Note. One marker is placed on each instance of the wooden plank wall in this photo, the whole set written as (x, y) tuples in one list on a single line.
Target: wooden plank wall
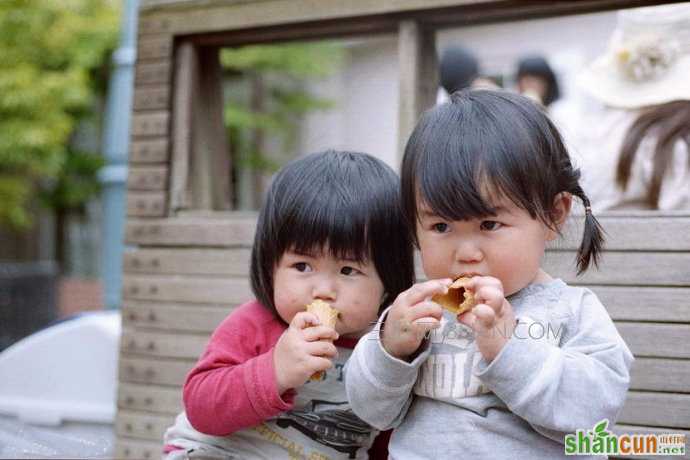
[(187, 274), (184, 276), (149, 150), (147, 197), (644, 282)]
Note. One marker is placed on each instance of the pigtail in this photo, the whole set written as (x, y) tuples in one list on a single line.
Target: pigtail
[(593, 238)]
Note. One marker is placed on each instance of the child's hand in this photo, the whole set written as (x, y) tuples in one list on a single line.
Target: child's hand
[(411, 317), (303, 349), (492, 319)]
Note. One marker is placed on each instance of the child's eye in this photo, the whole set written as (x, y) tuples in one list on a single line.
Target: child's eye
[(490, 225), (440, 227), (349, 271), (302, 267)]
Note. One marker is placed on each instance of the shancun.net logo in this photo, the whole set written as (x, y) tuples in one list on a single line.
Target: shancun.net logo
[(600, 441)]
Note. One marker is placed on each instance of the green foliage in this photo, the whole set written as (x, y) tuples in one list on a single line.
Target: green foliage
[(13, 190), (76, 183), (299, 60), (281, 71), (52, 54)]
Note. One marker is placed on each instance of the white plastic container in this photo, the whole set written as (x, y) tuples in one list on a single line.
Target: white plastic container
[(64, 373), (57, 390)]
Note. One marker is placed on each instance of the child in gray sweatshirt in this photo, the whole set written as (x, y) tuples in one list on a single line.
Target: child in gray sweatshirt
[(486, 183)]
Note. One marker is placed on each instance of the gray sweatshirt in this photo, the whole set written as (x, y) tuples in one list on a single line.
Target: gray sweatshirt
[(564, 368)]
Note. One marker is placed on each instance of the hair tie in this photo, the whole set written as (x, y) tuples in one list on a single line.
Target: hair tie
[(588, 209)]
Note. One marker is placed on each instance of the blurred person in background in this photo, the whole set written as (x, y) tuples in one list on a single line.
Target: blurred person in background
[(634, 153), (536, 79), (459, 69)]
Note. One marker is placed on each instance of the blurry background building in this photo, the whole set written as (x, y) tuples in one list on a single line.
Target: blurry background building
[(359, 91)]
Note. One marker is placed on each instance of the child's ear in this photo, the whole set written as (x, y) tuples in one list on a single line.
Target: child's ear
[(560, 210)]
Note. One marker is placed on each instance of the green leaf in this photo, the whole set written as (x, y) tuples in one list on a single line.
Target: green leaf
[(601, 426)]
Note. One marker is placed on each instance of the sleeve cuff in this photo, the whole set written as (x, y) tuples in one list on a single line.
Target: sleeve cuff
[(387, 371), (262, 388)]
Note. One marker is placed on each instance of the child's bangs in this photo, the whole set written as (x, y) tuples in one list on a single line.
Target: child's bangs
[(479, 196), (445, 193), (329, 224), (478, 159)]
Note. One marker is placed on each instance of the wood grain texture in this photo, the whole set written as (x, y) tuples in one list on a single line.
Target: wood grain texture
[(656, 339), (127, 448), (203, 16), (151, 97), (170, 316), (656, 409), (148, 151), (232, 262), (656, 304), (185, 80), (154, 47), (142, 425), (641, 231), (154, 371), (153, 72), (668, 375), (159, 344), (150, 398), (210, 172), (191, 232), (193, 289), (150, 124), (146, 204), (147, 178), (624, 268), (418, 76)]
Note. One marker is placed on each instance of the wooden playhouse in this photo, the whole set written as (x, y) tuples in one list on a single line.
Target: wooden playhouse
[(188, 264)]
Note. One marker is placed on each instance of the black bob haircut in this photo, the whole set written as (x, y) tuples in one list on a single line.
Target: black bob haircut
[(484, 144), (345, 201)]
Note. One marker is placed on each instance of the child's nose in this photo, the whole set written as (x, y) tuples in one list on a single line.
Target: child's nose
[(324, 289), (468, 252)]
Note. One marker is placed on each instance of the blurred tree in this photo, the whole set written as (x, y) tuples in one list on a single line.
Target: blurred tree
[(268, 98), (54, 63)]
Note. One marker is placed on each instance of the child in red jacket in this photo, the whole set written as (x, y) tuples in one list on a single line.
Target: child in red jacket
[(331, 228)]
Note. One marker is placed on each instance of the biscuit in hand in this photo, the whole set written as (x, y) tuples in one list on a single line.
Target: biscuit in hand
[(322, 310), (328, 317), (458, 299)]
